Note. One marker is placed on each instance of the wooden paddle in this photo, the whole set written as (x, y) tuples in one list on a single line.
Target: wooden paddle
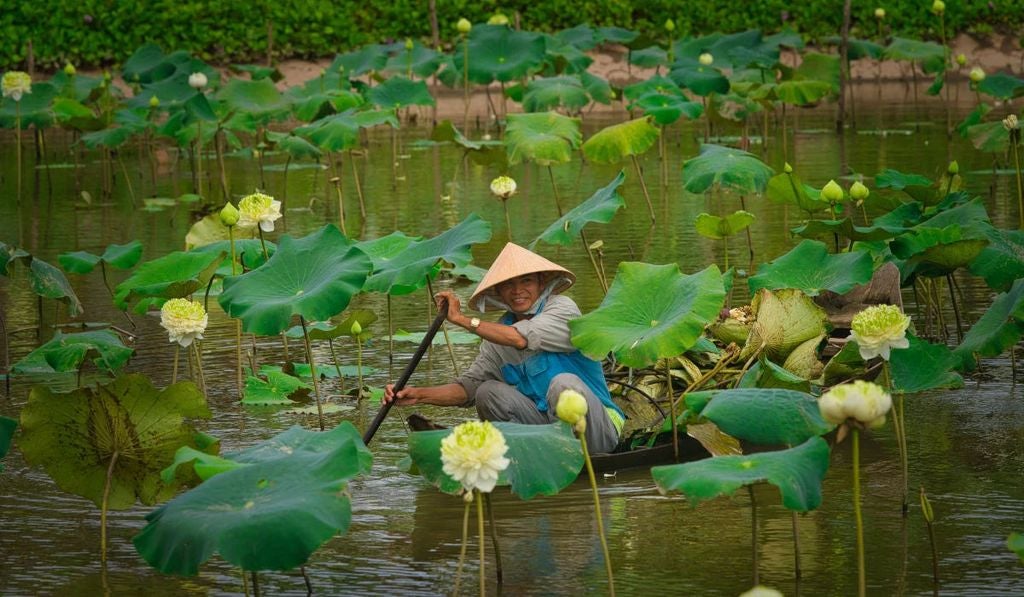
[(407, 373)]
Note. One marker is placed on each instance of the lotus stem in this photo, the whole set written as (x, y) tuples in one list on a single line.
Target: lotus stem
[(312, 371), (263, 243), (127, 181), (199, 366), (238, 322), (391, 344), (508, 222), (359, 368), (554, 189), (672, 408), (7, 356), (174, 373), (106, 282), (103, 507), (593, 262), (359, 187), (394, 159), (494, 537), (956, 309), (245, 584), (462, 552), (444, 328), (597, 512), (1020, 185), (480, 532), (17, 145), (305, 577), (334, 358), (861, 573), (926, 509), (199, 157), (217, 140), (750, 238), (753, 532), (255, 584), (899, 425), (465, 83), (284, 186), (259, 155), (797, 571), (643, 186), (286, 346)]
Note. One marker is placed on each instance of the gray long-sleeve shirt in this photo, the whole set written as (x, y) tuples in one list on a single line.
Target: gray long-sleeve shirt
[(547, 331)]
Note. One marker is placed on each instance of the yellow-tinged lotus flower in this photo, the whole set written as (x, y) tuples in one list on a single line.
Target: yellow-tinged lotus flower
[(356, 328), (503, 187), (197, 80), (832, 192), (859, 192), (705, 59), (863, 401), (464, 26), (229, 215), (878, 329), (938, 7), (1011, 123), (572, 408), (879, 13), (497, 19), (473, 454), (977, 75), (761, 590), (16, 84), (184, 320), (258, 210)]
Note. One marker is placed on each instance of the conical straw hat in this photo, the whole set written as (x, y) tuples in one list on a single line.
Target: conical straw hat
[(515, 261)]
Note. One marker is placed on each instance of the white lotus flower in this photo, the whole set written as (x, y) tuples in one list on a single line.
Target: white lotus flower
[(862, 401), (258, 210), (16, 84), (572, 408), (878, 329), (473, 454), (503, 187), (184, 320), (197, 81), (705, 59)]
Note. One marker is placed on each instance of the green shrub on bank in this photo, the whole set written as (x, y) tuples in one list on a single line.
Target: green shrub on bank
[(99, 32)]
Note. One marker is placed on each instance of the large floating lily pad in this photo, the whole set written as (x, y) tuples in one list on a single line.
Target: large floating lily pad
[(279, 388), (313, 277), (601, 207), (67, 352), (727, 168), (766, 416), (175, 275), (650, 312), (270, 515), (76, 436), (838, 273), (797, 472), (544, 459)]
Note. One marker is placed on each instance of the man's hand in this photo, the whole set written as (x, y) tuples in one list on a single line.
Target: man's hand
[(455, 314), (405, 397)]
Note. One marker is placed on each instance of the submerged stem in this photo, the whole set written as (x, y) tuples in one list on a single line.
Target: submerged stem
[(312, 371), (494, 537), (103, 507), (480, 531), (597, 513), (462, 552)]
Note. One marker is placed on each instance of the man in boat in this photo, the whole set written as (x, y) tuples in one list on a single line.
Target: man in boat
[(526, 358)]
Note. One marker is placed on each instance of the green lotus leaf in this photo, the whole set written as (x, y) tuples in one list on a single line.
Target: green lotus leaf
[(837, 273), (49, 282), (717, 227), (270, 515), (788, 188), (783, 320), (10, 254), (313, 277), (258, 98), (258, 71), (76, 436), (72, 114), (1002, 86), (802, 92), (803, 361), (317, 99), (297, 148), (923, 366), (815, 66), (456, 337), (666, 109), (898, 181), (656, 84), (325, 330), (797, 472), (601, 207), (446, 131), (204, 465), (248, 251), (544, 459), (1015, 543), (407, 270), (617, 142), (938, 251), (497, 52), (649, 57), (615, 35), (421, 60), (400, 92), (847, 229), (280, 388), (1001, 263), (998, 329), (911, 50), (67, 352), (650, 312), (975, 116), (119, 256), (717, 44), (367, 59), (845, 365), (174, 275), (701, 80), (990, 137), (34, 108), (7, 427), (551, 93), (339, 132), (766, 416), (303, 371), (725, 167), (857, 49), (598, 88), (582, 37), (546, 138), (767, 375)]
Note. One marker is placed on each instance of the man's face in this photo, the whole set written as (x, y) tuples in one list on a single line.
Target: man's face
[(520, 293)]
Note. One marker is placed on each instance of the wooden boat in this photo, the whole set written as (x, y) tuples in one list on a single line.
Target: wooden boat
[(623, 458)]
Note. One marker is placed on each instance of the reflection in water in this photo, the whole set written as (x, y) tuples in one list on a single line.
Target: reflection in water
[(966, 447)]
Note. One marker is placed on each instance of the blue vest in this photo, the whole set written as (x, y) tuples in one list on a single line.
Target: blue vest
[(533, 376)]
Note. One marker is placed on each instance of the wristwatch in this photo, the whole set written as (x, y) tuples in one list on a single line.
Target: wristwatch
[(474, 323)]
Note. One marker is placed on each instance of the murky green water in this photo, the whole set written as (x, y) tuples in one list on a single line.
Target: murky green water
[(966, 446)]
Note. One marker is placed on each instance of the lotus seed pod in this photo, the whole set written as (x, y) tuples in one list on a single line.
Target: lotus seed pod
[(977, 75), (670, 25), (497, 19), (356, 328), (938, 7), (229, 215), (69, 69), (572, 407), (961, 59), (154, 102), (787, 168), (859, 192), (953, 168), (705, 59), (879, 13), (832, 192), (464, 26)]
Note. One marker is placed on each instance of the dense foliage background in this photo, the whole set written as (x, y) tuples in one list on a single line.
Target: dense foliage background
[(98, 32)]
